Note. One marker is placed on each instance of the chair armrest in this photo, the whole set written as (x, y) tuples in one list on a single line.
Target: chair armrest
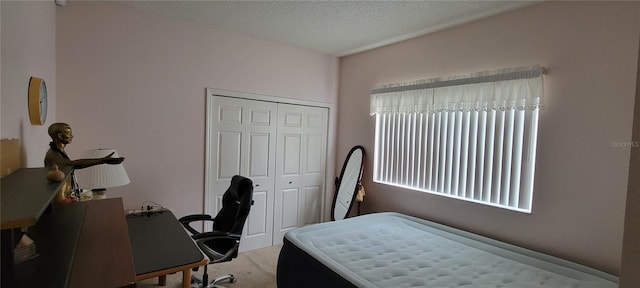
[(195, 217), (216, 235), (186, 220), (215, 254)]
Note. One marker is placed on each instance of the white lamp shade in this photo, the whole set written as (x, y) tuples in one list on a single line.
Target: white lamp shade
[(103, 175)]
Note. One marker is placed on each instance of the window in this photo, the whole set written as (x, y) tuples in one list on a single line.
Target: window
[(470, 137)]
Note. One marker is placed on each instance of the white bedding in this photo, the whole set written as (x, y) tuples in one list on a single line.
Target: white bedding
[(395, 250)]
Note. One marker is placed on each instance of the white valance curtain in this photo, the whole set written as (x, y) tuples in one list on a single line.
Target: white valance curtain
[(505, 89)]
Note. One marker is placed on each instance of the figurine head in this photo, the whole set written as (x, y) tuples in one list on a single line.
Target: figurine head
[(61, 133)]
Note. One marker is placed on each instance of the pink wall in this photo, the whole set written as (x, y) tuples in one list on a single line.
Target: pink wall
[(136, 82), (590, 49), (28, 49), (629, 276)]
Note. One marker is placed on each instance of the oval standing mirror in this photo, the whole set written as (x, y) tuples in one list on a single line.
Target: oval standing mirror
[(347, 184)]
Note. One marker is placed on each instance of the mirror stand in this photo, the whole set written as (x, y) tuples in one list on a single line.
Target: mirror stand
[(348, 184)]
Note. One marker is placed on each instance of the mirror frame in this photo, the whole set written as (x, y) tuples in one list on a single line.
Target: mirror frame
[(338, 182)]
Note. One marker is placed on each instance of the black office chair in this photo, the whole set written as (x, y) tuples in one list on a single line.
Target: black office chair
[(222, 243)]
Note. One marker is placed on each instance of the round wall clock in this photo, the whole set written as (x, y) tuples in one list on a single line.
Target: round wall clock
[(37, 101)]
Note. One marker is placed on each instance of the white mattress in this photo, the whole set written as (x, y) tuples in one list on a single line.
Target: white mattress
[(395, 250)]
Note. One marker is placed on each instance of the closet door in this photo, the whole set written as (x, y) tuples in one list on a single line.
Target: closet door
[(242, 141), (300, 167)]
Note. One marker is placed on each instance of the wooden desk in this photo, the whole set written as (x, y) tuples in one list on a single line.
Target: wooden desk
[(82, 244), (161, 246), (103, 254), (85, 244)]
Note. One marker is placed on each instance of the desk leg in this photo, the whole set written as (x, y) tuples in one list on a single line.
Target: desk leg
[(8, 241), (186, 278), (162, 280)]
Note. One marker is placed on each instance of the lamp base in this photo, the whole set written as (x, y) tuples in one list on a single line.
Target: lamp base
[(99, 193)]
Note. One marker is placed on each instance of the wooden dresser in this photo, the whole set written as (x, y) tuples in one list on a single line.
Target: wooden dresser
[(83, 244)]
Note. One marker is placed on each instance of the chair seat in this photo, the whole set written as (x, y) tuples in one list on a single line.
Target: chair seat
[(217, 249)]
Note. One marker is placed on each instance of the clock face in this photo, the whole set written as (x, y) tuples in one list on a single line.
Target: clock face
[(43, 102), (37, 101)]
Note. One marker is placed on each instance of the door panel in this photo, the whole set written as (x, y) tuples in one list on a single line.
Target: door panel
[(230, 114), (256, 226), (260, 128), (260, 117), (229, 147), (300, 166), (314, 160), (292, 119), (312, 204), (289, 217), (246, 146), (313, 173), (226, 150), (291, 150), (316, 121), (258, 155), (288, 174)]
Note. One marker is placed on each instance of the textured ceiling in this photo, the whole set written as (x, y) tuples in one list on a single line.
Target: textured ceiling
[(332, 27)]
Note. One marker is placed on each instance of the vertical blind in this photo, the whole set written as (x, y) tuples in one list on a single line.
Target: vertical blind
[(471, 137)]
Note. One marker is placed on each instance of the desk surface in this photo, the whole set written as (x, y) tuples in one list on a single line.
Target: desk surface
[(25, 195), (159, 242)]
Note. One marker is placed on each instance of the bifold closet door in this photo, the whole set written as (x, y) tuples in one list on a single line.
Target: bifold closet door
[(242, 140), (300, 167)]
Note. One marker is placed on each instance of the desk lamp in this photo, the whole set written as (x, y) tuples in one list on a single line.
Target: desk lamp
[(100, 177)]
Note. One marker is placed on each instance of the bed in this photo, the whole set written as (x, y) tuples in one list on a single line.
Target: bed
[(395, 250)]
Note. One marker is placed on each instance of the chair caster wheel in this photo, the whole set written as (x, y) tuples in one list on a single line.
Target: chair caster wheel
[(232, 280)]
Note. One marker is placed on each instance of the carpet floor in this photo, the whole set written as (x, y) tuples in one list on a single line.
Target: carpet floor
[(255, 268)]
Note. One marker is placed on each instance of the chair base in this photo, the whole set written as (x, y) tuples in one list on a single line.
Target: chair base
[(198, 283)]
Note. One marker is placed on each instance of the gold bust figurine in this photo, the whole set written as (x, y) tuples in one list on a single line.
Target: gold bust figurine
[(61, 136)]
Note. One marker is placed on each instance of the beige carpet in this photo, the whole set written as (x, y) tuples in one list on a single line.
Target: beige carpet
[(255, 268)]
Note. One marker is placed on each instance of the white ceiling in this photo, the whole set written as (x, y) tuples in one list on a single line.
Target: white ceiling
[(331, 27)]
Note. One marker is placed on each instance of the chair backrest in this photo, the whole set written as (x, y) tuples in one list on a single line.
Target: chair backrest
[(236, 203)]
